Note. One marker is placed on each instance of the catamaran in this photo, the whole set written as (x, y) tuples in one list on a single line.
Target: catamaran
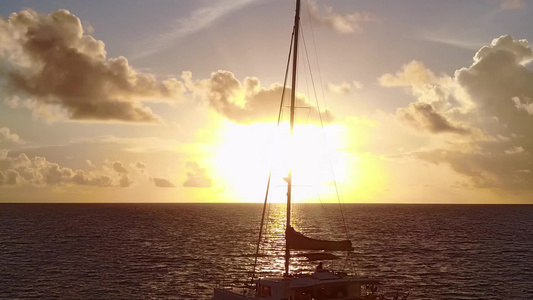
[(321, 284)]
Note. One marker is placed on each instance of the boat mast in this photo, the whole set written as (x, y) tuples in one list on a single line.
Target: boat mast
[(293, 100)]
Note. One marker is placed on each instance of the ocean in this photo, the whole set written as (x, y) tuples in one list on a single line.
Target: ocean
[(182, 251)]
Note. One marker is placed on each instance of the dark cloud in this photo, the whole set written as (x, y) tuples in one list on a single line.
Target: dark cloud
[(125, 181), (423, 116), (140, 165), (52, 62), (197, 177), (119, 168), (162, 182)]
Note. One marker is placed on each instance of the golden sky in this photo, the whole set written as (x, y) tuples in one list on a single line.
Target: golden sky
[(176, 101)]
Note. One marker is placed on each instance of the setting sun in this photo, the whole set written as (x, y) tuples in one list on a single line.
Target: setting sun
[(248, 153)]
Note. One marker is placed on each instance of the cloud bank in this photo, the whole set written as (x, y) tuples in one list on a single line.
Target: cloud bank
[(37, 171), (62, 72), (489, 102)]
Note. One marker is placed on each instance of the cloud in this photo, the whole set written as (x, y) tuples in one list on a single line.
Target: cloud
[(90, 163), (424, 117), (119, 168), (346, 23), (162, 182), (125, 181), (37, 171), (436, 103), (245, 102), (59, 71), (512, 4), (6, 135), (158, 181), (10, 177), (140, 166), (514, 150), (501, 86), (197, 177), (525, 104), (345, 87), (491, 96), (486, 170)]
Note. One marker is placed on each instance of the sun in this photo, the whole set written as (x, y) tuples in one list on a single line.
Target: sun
[(248, 153)]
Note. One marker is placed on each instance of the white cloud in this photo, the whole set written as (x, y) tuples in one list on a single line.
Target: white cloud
[(7, 135)]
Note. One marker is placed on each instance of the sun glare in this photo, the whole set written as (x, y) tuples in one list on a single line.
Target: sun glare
[(248, 153)]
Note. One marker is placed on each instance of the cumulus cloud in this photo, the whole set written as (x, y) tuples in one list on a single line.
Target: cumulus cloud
[(421, 81), (119, 168), (500, 84), (125, 181), (7, 135), (197, 176), (436, 103), (244, 102), (37, 171), (343, 23), (157, 181), (48, 61), (162, 182), (497, 88)]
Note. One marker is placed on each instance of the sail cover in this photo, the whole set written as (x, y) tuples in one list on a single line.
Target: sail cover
[(298, 241)]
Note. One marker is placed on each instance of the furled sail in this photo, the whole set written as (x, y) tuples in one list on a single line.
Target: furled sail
[(319, 256), (298, 241)]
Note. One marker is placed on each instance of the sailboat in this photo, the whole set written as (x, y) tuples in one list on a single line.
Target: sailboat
[(322, 283)]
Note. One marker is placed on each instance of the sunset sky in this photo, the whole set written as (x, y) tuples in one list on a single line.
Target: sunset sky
[(176, 101)]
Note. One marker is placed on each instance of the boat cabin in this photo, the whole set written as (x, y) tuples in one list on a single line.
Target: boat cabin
[(316, 286)]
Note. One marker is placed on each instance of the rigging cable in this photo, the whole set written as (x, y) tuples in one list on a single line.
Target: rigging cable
[(320, 115), (270, 173)]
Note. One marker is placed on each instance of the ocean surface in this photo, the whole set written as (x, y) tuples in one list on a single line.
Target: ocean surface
[(182, 251)]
